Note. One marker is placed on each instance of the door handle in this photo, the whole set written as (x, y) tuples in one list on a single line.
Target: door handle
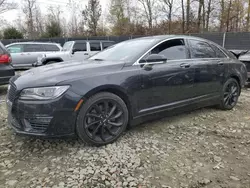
[(220, 63), (185, 65), (85, 54)]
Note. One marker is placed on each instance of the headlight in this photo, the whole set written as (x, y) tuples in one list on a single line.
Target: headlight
[(43, 93)]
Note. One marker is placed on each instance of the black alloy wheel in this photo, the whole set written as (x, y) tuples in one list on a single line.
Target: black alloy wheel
[(102, 119), (231, 92)]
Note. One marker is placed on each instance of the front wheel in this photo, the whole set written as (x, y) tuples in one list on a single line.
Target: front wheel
[(102, 119), (230, 95)]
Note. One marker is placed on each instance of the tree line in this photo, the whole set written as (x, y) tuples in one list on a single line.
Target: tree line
[(128, 17)]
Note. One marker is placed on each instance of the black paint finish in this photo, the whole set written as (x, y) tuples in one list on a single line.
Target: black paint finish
[(177, 85)]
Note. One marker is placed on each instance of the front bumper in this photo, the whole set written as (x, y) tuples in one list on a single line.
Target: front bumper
[(6, 72), (53, 118)]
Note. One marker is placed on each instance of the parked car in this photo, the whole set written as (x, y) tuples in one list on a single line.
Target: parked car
[(74, 50), (6, 69), (24, 54), (129, 83), (244, 57)]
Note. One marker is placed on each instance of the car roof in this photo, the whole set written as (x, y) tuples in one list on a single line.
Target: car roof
[(90, 41), (53, 43), (165, 37)]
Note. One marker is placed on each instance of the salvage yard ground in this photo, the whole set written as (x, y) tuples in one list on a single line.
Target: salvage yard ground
[(204, 148)]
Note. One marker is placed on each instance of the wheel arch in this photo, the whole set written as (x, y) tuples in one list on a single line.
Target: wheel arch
[(52, 59), (237, 78), (117, 90)]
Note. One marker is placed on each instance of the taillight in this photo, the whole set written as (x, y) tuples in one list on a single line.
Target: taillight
[(5, 58)]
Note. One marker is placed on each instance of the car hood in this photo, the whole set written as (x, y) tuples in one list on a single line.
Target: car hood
[(53, 74)]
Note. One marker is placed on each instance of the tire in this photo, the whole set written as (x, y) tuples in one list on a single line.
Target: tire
[(102, 119), (230, 94)]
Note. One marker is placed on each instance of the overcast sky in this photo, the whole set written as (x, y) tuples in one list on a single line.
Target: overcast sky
[(43, 4)]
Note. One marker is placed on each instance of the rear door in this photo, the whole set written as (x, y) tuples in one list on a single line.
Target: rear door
[(95, 47), (208, 62), (33, 51)]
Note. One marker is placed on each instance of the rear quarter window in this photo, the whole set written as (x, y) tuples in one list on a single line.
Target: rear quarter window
[(51, 48), (95, 46), (107, 44)]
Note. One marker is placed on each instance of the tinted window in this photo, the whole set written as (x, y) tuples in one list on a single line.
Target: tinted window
[(80, 46), (172, 49), (126, 51), (33, 48), (95, 46), (201, 49), (106, 45), (51, 47), (218, 52), (18, 48)]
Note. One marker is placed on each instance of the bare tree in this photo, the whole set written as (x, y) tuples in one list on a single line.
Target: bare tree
[(183, 16), (148, 8), (228, 14), (92, 14), (222, 4), (187, 13), (6, 5), (169, 10), (209, 10), (248, 16), (29, 7), (201, 5)]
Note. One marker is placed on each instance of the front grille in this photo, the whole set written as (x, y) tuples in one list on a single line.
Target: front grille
[(12, 92), (247, 63)]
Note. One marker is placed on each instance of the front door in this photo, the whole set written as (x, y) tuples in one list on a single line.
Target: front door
[(169, 84), (81, 51)]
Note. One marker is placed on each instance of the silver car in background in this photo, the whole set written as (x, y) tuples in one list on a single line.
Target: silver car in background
[(24, 54)]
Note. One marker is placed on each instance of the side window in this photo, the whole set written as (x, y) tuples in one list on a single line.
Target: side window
[(80, 46), (200, 49), (33, 48), (95, 46), (106, 45), (218, 52), (15, 48), (172, 49), (51, 48)]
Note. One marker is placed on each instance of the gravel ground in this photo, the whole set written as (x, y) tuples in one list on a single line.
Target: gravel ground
[(204, 148)]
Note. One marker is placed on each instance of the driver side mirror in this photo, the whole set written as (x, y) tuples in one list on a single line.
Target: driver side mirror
[(154, 59), (75, 50)]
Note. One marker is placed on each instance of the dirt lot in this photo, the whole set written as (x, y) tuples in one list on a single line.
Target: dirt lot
[(205, 148)]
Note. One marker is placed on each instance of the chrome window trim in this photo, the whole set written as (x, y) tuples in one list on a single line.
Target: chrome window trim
[(137, 62)]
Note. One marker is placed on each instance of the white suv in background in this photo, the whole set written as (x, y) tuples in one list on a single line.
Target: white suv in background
[(74, 50), (24, 54)]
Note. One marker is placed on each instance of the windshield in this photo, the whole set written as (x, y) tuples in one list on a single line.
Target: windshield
[(125, 51), (67, 46)]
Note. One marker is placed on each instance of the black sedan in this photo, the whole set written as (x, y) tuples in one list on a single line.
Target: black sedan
[(6, 69), (127, 84)]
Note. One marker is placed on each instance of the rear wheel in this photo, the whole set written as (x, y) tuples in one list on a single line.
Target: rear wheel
[(102, 119), (231, 92)]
